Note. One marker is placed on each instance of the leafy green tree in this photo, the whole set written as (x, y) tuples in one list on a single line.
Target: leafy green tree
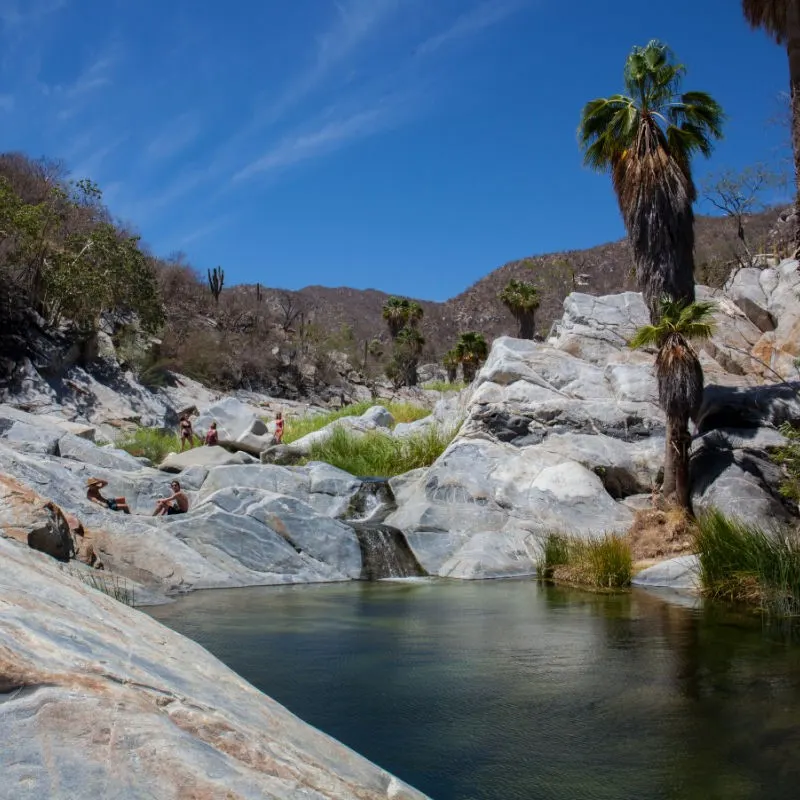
[(471, 351), (522, 300), (780, 19), (680, 383), (646, 139)]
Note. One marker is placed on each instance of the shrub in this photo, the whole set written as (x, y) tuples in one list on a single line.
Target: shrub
[(743, 563), (301, 426), (788, 458), (604, 563), (152, 443), (378, 455)]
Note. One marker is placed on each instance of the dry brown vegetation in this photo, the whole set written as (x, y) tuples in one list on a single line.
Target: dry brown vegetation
[(658, 534)]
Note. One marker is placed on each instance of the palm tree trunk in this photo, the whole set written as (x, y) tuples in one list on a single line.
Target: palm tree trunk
[(793, 49), (668, 485), (676, 487), (526, 326)]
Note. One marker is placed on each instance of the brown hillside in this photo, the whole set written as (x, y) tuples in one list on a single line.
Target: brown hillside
[(599, 270)]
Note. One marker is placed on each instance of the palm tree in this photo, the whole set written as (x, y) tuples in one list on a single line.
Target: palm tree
[(471, 351), (680, 383), (781, 20), (395, 312), (522, 300), (646, 139), (450, 363), (414, 314), (408, 349)]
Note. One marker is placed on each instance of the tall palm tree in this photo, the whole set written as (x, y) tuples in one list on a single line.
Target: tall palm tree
[(781, 20), (522, 300), (680, 383), (450, 363), (408, 349), (395, 312), (471, 350), (646, 139)]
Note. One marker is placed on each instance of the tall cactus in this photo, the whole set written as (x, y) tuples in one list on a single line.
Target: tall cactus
[(259, 295), (216, 280)]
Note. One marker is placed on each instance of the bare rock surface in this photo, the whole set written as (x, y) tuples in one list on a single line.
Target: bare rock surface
[(99, 700)]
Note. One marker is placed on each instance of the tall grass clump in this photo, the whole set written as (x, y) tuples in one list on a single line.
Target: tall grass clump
[(743, 563), (444, 386), (604, 563), (111, 585), (375, 454), (298, 427), (152, 443)]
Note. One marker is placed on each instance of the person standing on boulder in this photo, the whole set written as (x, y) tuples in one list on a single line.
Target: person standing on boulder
[(176, 503), (212, 437), (187, 434), (93, 487), (278, 428)]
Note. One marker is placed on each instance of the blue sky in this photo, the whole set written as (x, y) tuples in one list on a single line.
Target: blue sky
[(405, 145)]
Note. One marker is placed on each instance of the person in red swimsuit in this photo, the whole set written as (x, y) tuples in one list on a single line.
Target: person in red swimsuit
[(212, 437), (278, 428)]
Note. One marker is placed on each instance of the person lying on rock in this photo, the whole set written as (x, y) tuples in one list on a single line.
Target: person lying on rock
[(93, 487), (176, 503), (212, 437)]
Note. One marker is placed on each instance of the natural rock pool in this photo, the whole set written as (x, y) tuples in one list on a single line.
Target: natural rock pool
[(507, 690)]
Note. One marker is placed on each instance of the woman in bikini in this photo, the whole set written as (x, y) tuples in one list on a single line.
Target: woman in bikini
[(278, 428), (187, 434), (212, 437), (93, 487)]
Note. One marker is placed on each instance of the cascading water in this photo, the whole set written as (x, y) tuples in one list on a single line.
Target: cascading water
[(385, 553)]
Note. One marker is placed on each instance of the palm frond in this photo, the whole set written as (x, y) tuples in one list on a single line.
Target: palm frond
[(769, 15)]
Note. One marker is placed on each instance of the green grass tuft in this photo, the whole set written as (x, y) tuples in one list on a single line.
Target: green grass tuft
[(604, 563), (152, 443), (444, 386), (375, 454), (111, 585), (301, 426), (743, 563)]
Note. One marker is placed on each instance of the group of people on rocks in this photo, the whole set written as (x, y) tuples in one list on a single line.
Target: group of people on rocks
[(177, 502), (187, 434)]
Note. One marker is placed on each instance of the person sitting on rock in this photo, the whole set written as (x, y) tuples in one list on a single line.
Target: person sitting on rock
[(93, 487), (187, 434), (212, 437), (278, 428), (176, 503)]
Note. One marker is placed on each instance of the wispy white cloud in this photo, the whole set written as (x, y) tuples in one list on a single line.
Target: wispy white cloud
[(95, 76), (204, 230), (471, 23), (178, 134), (331, 136), (20, 13), (356, 21)]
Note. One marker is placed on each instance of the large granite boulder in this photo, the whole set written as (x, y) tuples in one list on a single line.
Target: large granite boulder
[(205, 457), (100, 700), (33, 520), (239, 427)]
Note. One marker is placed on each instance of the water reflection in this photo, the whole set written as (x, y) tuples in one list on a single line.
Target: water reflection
[(508, 690)]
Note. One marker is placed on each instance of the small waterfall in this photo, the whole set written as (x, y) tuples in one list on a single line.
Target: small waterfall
[(385, 553), (372, 503)]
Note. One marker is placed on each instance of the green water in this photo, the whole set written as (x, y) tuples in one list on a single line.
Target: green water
[(508, 690)]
